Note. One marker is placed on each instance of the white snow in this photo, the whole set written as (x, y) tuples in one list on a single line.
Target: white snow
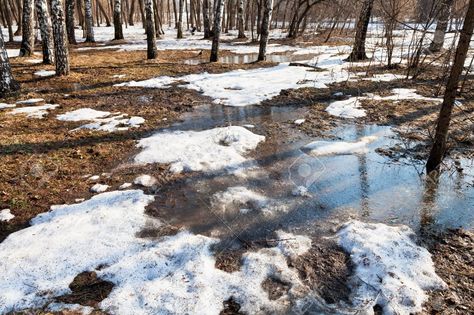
[(247, 87), (94, 177), (39, 262), (292, 245), (209, 150), (321, 147), (145, 180), (82, 114), (4, 105), (34, 61), (385, 77), (390, 269), (239, 196), (34, 111), (6, 215), (299, 121), (349, 108), (45, 73), (75, 308), (30, 101), (125, 185), (98, 188), (101, 121)]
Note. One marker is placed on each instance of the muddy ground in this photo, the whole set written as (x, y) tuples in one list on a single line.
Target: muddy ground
[(43, 163)]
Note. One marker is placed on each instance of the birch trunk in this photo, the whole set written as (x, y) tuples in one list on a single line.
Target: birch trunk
[(7, 82), (60, 40), (89, 22), (441, 26), (205, 19), (217, 30), (358, 51), (28, 36), (150, 30), (118, 20), (267, 15), (439, 146), (46, 33), (240, 19)]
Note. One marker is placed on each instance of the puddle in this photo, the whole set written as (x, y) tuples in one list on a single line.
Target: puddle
[(252, 57), (369, 186)]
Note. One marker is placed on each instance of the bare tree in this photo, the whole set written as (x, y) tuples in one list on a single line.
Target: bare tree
[(152, 52), (89, 22), (240, 19), (439, 146), (46, 32), (217, 30), (205, 18), (28, 36), (70, 6), (441, 25), (60, 40), (267, 14), (180, 19), (118, 20), (358, 50), (7, 82)]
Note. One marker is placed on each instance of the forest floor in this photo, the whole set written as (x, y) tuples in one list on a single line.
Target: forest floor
[(45, 163)]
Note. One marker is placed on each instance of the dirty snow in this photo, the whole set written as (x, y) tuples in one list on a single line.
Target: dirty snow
[(390, 269), (83, 114), (293, 245), (247, 87), (34, 111), (349, 108), (6, 215), (98, 188), (209, 150), (145, 180), (45, 73), (320, 148), (30, 101), (239, 196)]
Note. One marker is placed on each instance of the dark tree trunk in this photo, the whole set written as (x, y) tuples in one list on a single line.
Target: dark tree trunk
[(240, 19), (8, 15), (205, 19), (70, 6), (46, 32), (217, 30), (60, 39), (180, 19), (267, 15), (152, 52), (28, 36), (7, 82), (89, 21), (104, 13), (358, 51), (441, 25), (439, 146), (118, 20)]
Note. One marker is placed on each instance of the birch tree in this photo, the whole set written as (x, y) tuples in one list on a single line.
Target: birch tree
[(89, 22), (240, 19), (267, 14), (118, 20), (358, 50), (60, 40), (205, 18), (439, 146), (28, 34), (441, 25), (152, 52), (71, 36), (7, 82), (217, 30), (46, 33)]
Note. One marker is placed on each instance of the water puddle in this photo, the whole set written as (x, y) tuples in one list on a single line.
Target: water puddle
[(311, 194)]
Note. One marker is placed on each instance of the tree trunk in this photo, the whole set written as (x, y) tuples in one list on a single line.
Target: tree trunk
[(46, 32), (118, 20), (131, 13), (70, 6), (267, 15), (240, 18), (60, 39), (439, 146), (205, 19), (441, 25), (7, 82), (152, 52), (104, 13), (89, 22), (19, 30), (217, 30), (180, 19), (358, 51), (8, 15), (28, 37)]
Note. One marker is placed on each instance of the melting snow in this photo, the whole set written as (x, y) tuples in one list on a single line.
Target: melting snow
[(125, 185), (83, 114), (319, 148), (247, 87), (45, 73), (391, 270), (145, 180), (209, 150), (30, 101), (3, 105), (98, 188), (6, 215), (34, 111), (239, 196), (299, 121)]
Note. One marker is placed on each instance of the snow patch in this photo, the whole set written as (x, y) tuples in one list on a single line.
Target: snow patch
[(292, 245), (4, 105), (34, 111), (82, 114), (45, 73), (349, 108), (98, 188), (299, 121), (30, 101), (239, 196), (125, 185), (208, 151), (391, 270), (6, 215), (145, 180), (320, 148)]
